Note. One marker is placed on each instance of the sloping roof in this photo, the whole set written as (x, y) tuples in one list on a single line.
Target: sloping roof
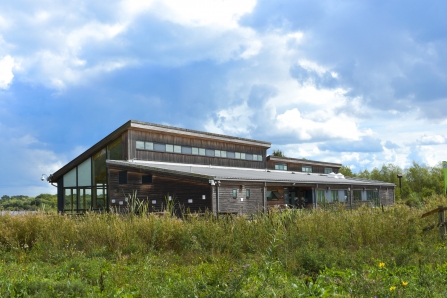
[(140, 125), (242, 174)]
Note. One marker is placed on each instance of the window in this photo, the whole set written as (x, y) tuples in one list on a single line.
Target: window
[(334, 195), (307, 169), (187, 150), (321, 197), (223, 153), (242, 155), (177, 149), (249, 156), (169, 148), (230, 155), (373, 195), (328, 170), (234, 193), (149, 146), (140, 145), (209, 152), (201, 151), (122, 177), (273, 195), (160, 147), (146, 179), (357, 195), (217, 153), (195, 151), (237, 155), (247, 193), (281, 167)]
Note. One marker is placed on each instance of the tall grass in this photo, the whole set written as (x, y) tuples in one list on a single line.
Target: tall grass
[(303, 243)]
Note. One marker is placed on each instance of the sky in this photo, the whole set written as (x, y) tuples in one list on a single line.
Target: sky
[(361, 83)]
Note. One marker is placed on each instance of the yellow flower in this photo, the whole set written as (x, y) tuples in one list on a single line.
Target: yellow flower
[(381, 265), (404, 283), (72, 269), (392, 288), (66, 240)]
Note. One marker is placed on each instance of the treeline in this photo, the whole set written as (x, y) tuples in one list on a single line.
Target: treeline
[(41, 202), (418, 181)]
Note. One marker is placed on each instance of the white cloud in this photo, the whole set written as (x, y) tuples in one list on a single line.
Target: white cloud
[(6, 75), (431, 139)]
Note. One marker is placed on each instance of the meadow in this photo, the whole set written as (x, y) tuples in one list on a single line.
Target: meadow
[(334, 252)]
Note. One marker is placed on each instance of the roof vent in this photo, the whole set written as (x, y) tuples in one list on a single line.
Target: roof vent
[(332, 175)]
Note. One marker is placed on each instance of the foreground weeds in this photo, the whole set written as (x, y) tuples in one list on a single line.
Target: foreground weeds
[(295, 253)]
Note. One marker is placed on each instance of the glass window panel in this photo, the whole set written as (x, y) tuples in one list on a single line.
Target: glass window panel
[(115, 150), (85, 173), (255, 157), (259, 157), (177, 149), (169, 148), (217, 153), (68, 202), (140, 145), (70, 178), (237, 155), (249, 156), (247, 193), (307, 169), (187, 150), (234, 193), (201, 151), (223, 153), (160, 147), (357, 195), (230, 155), (334, 195), (195, 151), (85, 198), (327, 170), (209, 152), (99, 167), (149, 146), (242, 155), (321, 197)]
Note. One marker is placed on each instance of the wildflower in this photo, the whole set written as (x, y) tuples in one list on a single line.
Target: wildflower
[(404, 283), (72, 269), (381, 265), (392, 288)]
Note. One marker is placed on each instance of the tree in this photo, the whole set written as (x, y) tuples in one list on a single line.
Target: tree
[(345, 170), (278, 153)]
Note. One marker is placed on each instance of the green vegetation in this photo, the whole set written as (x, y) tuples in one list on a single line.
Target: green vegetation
[(41, 202), (294, 253), (418, 181)]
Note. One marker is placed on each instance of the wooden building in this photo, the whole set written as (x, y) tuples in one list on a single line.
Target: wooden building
[(200, 171)]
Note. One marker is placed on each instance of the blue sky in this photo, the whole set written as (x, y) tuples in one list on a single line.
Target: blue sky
[(361, 83)]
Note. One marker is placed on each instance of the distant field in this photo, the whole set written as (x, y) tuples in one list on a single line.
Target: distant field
[(295, 253)]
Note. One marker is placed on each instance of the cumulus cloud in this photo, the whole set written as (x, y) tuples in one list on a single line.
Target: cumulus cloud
[(431, 140), (6, 74)]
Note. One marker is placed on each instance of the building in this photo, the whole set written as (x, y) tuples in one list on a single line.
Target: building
[(200, 171)]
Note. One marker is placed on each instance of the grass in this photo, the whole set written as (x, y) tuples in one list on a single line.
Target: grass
[(294, 253)]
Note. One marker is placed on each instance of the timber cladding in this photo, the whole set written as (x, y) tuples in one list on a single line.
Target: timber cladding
[(239, 204), (163, 138), (187, 195)]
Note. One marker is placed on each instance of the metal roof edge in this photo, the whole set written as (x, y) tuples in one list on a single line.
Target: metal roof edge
[(291, 159)]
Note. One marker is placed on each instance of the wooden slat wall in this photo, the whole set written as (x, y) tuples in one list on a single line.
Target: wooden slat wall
[(248, 206), (137, 135), (180, 189), (125, 141)]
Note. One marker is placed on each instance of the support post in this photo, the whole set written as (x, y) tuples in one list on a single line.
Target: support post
[(442, 227)]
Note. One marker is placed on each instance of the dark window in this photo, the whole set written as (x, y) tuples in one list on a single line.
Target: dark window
[(357, 195), (146, 179), (186, 150), (249, 156), (247, 193), (160, 147), (122, 177), (234, 193), (307, 169), (273, 195), (209, 152), (230, 154)]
